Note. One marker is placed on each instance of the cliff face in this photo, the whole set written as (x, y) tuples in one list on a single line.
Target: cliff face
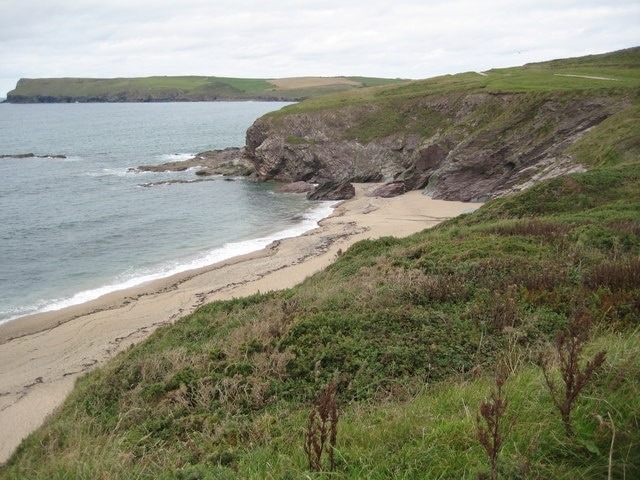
[(462, 146)]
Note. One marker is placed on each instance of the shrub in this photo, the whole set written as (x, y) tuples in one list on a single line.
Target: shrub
[(619, 275)]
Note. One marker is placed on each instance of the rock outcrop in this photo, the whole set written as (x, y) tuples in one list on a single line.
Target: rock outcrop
[(333, 191), (391, 189), (229, 162), (460, 146)]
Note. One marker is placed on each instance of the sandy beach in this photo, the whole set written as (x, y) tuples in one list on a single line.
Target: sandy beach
[(42, 355)]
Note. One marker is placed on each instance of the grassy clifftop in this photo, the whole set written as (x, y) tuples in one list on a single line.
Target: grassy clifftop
[(412, 331), (187, 88), (591, 73)]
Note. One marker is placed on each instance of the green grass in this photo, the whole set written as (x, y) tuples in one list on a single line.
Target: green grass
[(547, 77), (597, 147), (149, 87)]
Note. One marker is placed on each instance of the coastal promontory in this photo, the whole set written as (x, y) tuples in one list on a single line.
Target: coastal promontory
[(470, 137), (183, 89)]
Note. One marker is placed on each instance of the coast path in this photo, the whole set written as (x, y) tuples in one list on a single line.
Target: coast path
[(41, 356)]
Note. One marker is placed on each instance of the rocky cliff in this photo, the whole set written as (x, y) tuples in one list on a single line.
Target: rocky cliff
[(467, 146)]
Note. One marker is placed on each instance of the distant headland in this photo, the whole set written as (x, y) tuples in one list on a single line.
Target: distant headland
[(183, 89)]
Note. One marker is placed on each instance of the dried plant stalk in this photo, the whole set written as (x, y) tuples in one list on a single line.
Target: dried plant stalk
[(491, 428), (322, 429), (569, 346)]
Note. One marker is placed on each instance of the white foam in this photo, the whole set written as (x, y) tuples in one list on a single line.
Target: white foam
[(176, 157), (108, 172), (308, 222)]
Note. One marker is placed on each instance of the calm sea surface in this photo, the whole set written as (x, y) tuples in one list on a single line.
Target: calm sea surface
[(74, 228)]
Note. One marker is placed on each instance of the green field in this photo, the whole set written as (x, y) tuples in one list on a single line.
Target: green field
[(412, 330)]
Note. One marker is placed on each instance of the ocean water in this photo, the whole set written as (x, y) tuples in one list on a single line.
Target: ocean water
[(74, 228)]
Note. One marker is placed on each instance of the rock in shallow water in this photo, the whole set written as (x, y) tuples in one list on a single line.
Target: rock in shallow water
[(230, 161)]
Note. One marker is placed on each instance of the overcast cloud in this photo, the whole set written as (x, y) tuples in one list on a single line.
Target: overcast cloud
[(257, 39)]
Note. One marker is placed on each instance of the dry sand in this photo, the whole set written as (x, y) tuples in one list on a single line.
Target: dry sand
[(42, 355)]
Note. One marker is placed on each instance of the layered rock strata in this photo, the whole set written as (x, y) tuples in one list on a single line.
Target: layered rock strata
[(462, 146)]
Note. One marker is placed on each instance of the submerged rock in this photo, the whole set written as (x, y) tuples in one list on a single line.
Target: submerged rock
[(31, 155)]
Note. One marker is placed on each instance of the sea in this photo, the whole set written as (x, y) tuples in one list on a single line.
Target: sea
[(76, 227)]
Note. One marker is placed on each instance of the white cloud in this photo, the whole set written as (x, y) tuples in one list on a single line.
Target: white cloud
[(248, 38)]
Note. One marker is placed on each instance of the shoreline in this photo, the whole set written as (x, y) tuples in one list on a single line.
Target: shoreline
[(206, 259), (43, 354)]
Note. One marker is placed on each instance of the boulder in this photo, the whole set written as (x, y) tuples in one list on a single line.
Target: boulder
[(388, 190), (333, 191)]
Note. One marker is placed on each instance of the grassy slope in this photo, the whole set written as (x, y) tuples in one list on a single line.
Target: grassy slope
[(621, 66), (431, 107), (187, 87), (412, 328)]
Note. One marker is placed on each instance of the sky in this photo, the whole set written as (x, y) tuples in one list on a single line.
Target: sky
[(412, 39)]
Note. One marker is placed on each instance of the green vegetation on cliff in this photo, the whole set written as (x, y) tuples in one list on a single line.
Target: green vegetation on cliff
[(617, 70), (399, 107), (471, 136), (412, 330), (187, 88)]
